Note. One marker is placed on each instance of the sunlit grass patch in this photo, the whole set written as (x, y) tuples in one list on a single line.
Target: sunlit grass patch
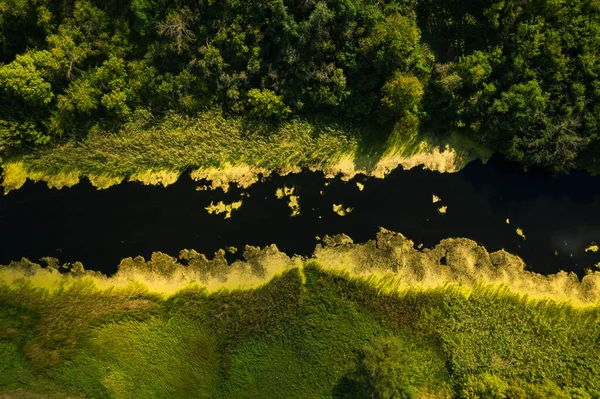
[(230, 149), (102, 182), (142, 356), (293, 201), (221, 207), (340, 210), (14, 175), (155, 177)]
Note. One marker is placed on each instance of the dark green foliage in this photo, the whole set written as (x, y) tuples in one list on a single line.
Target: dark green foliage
[(522, 77), (88, 62)]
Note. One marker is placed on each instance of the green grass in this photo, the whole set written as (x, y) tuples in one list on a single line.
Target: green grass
[(208, 140), (177, 143), (305, 334)]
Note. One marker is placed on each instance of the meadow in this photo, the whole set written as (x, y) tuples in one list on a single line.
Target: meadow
[(305, 328)]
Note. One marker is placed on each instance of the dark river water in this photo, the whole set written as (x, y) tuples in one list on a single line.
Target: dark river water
[(560, 217)]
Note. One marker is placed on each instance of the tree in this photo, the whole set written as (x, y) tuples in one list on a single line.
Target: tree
[(176, 27), (401, 95), (484, 386), (17, 134), (22, 79), (266, 104)]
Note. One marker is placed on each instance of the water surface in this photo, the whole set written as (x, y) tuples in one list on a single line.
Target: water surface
[(560, 216)]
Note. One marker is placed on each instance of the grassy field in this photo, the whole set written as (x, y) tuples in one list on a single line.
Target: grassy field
[(308, 329), (156, 152)]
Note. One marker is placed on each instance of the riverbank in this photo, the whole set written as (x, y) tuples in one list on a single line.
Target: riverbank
[(224, 150), (448, 321), (391, 261)]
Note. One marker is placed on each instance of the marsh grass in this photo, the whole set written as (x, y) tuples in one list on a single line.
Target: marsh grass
[(301, 335), (178, 143), (311, 330), (157, 151)]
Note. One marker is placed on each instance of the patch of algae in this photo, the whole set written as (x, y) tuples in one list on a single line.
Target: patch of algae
[(294, 205), (284, 192), (340, 210), (293, 202), (222, 207), (592, 248), (391, 262)]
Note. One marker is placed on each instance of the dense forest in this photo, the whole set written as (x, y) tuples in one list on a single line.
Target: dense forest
[(521, 77)]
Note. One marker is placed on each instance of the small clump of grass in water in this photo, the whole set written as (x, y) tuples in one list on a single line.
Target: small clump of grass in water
[(221, 207), (436, 198), (294, 205), (592, 248), (520, 233), (360, 186), (284, 192), (340, 210), (442, 210), (293, 202)]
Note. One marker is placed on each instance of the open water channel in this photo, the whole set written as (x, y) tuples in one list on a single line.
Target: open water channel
[(560, 217)]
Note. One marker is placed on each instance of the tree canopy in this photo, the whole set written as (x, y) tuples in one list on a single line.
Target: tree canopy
[(519, 76)]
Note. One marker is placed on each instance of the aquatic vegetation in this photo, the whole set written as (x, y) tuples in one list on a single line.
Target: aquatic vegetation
[(293, 202), (294, 205), (520, 232), (593, 247), (442, 210), (360, 186), (240, 175), (340, 210), (436, 199), (221, 207), (507, 221), (284, 192)]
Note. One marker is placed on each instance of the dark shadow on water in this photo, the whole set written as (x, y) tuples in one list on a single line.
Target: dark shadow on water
[(559, 216)]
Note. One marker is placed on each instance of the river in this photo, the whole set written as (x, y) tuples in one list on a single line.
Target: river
[(559, 217)]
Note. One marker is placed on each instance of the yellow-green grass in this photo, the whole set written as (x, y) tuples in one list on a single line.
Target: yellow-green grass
[(229, 149), (294, 337), (303, 328)]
